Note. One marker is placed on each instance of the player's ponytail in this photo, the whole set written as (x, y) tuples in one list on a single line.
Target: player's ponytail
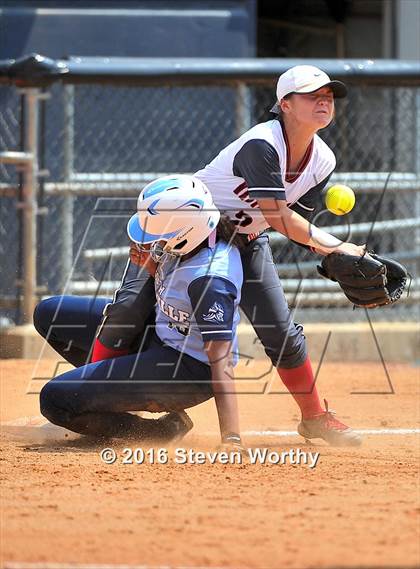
[(228, 231)]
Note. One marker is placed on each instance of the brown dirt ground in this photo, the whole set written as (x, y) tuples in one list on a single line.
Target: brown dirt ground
[(357, 508)]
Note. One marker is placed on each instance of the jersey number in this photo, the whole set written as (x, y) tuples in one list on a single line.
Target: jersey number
[(184, 330)]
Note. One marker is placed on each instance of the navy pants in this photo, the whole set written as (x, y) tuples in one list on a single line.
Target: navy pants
[(95, 398)]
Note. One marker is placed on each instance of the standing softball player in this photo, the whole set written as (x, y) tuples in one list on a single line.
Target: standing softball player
[(272, 176), (189, 356)]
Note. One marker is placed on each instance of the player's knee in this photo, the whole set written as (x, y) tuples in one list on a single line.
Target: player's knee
[(52, 405), (293, 357), (47, 403), (44, 314), (291, 350)]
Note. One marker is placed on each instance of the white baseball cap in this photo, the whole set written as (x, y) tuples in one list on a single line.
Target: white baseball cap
[(305, 79)]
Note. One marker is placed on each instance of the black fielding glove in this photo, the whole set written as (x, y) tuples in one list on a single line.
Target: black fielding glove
[(369, 281)]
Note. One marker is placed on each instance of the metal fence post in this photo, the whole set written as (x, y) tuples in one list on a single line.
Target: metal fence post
[(417, 165), (243, 108), (29, 203), (67, 205)]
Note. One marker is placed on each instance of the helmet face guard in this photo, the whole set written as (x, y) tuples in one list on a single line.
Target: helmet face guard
[(159, 254), (175, 214)]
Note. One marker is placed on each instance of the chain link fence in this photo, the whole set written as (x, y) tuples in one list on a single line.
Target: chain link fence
[(100, 143), (11, 116)]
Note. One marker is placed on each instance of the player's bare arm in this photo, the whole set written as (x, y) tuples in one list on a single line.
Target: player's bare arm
[(219, 355), (295, 227)]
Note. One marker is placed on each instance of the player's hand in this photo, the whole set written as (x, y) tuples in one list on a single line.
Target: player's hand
[(142, 258), (351, 249)]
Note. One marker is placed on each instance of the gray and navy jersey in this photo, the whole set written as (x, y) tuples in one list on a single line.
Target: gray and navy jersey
[(198, 300), (256, 165)]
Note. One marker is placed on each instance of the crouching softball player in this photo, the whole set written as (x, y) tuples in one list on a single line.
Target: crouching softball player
[(188, 359)]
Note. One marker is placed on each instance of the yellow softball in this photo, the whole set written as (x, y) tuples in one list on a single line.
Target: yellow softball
[(340, 199)]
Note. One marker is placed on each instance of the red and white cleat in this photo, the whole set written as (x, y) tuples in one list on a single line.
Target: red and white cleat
[(330, 429)]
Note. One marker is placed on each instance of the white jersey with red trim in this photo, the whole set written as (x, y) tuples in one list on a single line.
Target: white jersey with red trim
[(255, 166)]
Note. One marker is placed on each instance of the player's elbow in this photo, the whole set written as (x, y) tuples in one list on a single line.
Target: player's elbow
[(279, 221)]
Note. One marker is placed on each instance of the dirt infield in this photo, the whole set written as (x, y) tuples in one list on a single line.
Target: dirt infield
[(357, 508)]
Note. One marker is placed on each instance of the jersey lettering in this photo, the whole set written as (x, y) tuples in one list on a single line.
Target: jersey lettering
[(173, 313), (242, 192)]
